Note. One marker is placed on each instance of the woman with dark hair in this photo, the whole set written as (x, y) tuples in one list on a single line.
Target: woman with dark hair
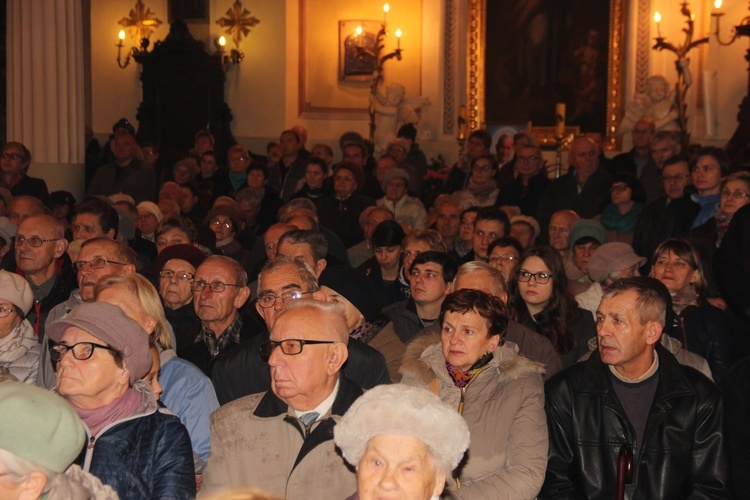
[(481, 189), (270, 203), (538, 298), (207, 173), (701, 327), (708, 166), (386, 245), (313, 185), (620, 216), (499, 393)]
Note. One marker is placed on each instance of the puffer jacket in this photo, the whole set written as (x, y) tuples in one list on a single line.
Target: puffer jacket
[(704, 331), (683, 454), (504, 408), (147, 455)]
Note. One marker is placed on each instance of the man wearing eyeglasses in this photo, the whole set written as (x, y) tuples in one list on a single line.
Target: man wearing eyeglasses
[(281, 441), (219, 291), (101, 256), (526, 189), (244, 370), (41, 258), (670, 215)]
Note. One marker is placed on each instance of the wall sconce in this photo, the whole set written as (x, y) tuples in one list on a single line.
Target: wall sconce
[(141, 24), (237, 22)]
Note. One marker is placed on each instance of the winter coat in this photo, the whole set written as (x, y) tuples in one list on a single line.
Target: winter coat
[(683, 454), (504, 408), (19, 353), (147, 455), (257, 441)]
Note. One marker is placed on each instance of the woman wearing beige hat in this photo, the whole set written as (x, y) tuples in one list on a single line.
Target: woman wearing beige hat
[(137, 448), (19, 349)]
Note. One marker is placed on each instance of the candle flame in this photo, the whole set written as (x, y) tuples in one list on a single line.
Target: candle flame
[(657, 17), (386, 8), (121, 35), (717, 4), (358, 30), (398, 33), (222, 41)]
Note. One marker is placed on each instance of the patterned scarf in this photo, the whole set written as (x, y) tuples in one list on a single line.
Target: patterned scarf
[(460, 378), (683, 298)]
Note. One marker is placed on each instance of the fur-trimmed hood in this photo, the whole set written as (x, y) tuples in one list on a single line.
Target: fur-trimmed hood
[(506, 361)]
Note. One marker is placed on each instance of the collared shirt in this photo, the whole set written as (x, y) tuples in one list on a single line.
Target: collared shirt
[(216, 345), (324, 406)]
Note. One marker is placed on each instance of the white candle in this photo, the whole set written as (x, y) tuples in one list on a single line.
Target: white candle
[(708, 103)]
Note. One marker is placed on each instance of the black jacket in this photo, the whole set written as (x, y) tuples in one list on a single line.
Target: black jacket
[(243, 371), (684, 454)]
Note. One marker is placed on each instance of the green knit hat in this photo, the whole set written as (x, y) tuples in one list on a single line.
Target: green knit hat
[(39, 426)]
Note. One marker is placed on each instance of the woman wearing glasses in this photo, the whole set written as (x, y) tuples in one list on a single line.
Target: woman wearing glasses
[(14, 167), (538, 298), (499, 393), (176, 266), (19, 349), (734, 192), (132, 446), (481, 190)]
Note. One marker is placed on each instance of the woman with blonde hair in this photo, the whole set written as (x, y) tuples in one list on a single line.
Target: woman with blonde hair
[(186, 390)]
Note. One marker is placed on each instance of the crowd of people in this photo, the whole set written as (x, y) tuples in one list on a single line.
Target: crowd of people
[(288, 326)]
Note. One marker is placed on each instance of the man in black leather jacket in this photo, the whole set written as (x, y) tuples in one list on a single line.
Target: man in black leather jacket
[(633, 395)]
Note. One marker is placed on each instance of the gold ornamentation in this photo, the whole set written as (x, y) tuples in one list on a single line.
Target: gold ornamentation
[(238, 22), (141, 23)]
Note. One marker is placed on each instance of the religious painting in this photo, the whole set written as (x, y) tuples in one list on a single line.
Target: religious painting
[(529, 55), (358, 49)]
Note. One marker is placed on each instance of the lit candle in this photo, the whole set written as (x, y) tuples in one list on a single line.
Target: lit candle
[(717, 4), (398, 37), (121, 35), (560, 119), (386, 8), (657, 18), (222, 41), (358, 31), (463, 122)]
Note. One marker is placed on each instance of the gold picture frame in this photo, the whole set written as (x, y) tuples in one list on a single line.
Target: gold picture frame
[(475, 72)]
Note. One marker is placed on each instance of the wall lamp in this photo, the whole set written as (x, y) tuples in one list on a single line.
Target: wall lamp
[(237, 22), (141, 23)]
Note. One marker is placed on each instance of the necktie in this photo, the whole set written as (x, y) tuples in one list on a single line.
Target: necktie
[(309, 419)]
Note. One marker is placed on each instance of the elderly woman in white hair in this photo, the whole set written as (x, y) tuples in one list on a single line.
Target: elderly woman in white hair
[(40, 437), (403, 441), (19, 348)]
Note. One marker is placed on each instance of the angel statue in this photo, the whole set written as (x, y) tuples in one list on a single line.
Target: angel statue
[(392, 110), (657, 103)]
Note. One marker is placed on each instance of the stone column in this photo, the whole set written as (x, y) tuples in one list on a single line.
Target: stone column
[(45, 73)]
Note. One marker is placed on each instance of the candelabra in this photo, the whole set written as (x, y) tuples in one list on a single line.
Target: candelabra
[(141, 23), (682, 64)]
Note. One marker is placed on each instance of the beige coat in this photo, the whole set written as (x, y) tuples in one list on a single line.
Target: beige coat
[(256, 440), (504, 407)]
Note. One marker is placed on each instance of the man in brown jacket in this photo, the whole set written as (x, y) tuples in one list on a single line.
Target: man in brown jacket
[(281, 441)]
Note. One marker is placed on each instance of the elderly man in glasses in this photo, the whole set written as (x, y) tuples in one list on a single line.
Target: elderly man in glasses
[(281, 441), (98, 257), (42, 260), (219, 291)]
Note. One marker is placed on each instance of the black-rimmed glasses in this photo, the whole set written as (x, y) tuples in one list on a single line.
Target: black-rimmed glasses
[(81, 350), (97, 263), (269, 300), (541, 278), (290, 347)]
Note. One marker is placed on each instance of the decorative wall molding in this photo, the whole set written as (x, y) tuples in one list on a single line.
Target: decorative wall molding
[(643, 48), (450, 62)]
